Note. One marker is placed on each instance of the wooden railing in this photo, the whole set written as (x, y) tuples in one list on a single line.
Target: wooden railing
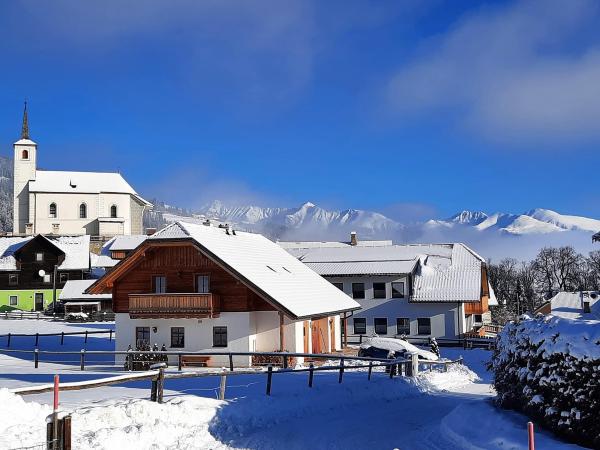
[(173, 305)]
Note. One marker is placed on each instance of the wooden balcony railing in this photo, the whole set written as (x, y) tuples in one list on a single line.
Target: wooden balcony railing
[(142, 306)]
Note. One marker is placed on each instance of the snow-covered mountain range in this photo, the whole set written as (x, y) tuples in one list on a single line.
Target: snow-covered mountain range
[(496, 235)]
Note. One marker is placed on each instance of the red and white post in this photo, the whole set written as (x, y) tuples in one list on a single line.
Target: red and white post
[(55, 393), (531, 436)]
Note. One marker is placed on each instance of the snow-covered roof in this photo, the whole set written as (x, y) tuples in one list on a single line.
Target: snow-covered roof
[(127, 243), (81, 182), (441, 272), (265, 265), (570, 305), (75, 248), (74, 290), (331, 244), (362, 267)]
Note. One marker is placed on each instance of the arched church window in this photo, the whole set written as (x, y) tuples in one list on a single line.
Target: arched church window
[(82, 211), (53, 211), (25, 154), (113, 211)]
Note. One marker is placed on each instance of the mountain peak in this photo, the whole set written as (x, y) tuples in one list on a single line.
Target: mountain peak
[(467, 217), (308, 205)]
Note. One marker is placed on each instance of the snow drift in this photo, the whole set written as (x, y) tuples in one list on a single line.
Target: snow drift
[(398, 346)]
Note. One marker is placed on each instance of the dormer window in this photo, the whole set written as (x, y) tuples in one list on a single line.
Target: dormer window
[(25, 154), (113, 211), (52, 212), (83, 211)]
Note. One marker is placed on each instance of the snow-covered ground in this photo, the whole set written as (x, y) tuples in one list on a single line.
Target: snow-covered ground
[(437, 411)]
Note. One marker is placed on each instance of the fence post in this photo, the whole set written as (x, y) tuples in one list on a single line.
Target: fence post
[(392, 370), (36, 357), (222, 387), (311, 373), (415, 364), (8, 343), (360, 338), (179, 362), (82, 359), (110, 336), (370, 369), (160, 385), (341, 370), (285, 361), (37, 338), (66, 437), (86, 335), (531, 436), (62, 337), (231, 362), (269, 378)]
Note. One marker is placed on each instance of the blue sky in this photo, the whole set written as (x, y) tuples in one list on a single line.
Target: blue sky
[(413, 108)]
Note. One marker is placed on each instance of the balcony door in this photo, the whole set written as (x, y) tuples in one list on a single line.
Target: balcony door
[(159, 284), (202, 284)]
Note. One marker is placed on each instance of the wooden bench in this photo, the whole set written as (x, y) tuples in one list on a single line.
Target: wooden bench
[(194, 360)]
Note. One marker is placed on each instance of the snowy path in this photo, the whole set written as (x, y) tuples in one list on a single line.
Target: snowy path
[(440, 411)]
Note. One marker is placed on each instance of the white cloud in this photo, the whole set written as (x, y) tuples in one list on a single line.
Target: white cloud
[(526, 72)]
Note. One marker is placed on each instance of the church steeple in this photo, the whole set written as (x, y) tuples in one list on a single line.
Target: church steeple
[(25, 126)]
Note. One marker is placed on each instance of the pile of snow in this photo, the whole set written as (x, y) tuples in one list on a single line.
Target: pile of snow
[(398, 346), (456, 376), (18, 416), (549, 367)]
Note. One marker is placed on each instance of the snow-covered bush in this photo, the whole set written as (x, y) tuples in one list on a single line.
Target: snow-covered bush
[(549, 368)]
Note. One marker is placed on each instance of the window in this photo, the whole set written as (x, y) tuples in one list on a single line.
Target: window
[(380, 325), (64, 277), (379, 290), (25, 154), (142, 336), (340, 286), (203, 284), (13, 279), (403, 326), (113, 211), (360, 325), (424, 325), (82, 211), (219, 336), (398, 289), (39, 257), (159, 284), (358, 290), (47, 278), (586, 307), (13, 300), (177, 337), (52, 211), (478, 318)]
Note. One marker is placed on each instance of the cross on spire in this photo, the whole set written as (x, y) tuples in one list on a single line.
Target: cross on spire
[(25, 127)]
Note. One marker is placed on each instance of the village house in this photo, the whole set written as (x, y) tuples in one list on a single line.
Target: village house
[(417, 290), (74, 299), (195, 287), (573, 305), (34, 269), (67, 203)]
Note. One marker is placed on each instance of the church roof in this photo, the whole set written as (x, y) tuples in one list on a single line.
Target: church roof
[(81, 182)]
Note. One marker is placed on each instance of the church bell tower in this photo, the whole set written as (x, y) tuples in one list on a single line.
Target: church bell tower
[(25, 156)]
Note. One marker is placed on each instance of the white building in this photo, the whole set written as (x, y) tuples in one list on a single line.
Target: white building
[(583, 305), (420, 291), (68, 203), (201, 288)]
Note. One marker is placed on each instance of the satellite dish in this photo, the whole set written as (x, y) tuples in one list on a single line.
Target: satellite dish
[(42, 272)]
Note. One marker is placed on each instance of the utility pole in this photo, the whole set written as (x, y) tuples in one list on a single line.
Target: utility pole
[(54, 288)]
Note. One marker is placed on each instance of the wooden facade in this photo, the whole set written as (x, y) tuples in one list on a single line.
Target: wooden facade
[(482, 306), (28, 267), (180, 263)]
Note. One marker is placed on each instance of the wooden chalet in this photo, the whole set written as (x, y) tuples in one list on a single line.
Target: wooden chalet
[(197, 287)]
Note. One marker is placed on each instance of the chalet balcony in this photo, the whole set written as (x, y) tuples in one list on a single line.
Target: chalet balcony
[(173, 306)]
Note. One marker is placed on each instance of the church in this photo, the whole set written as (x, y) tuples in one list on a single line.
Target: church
[(70, 203)]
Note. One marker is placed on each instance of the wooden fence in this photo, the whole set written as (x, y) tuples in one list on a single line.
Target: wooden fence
[(464, 342), (62, 335), (96, 316)]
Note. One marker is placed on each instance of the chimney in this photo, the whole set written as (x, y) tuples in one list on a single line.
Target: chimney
[(353, 240), (150, 231)]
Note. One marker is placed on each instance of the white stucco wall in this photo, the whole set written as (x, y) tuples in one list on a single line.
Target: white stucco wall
[(444, 316), (246, 332), (24, 170)]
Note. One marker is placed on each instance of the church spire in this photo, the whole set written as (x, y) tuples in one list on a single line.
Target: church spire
[(25, 127)]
